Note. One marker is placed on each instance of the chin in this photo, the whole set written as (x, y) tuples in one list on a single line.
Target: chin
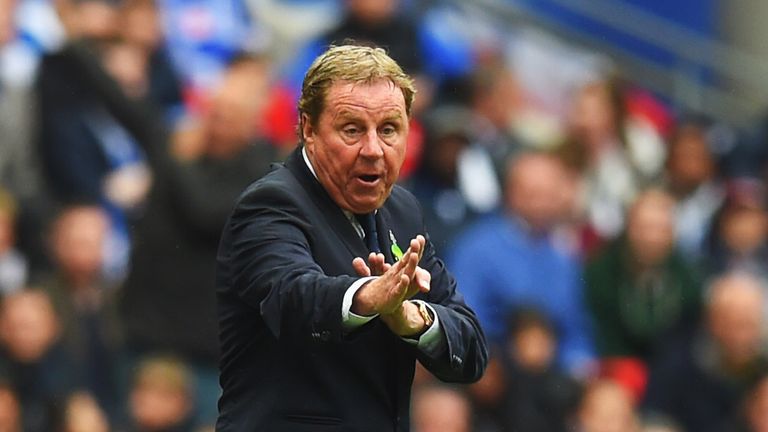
[(366, 206)]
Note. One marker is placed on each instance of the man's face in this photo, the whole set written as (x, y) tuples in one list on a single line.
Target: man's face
[(357, 145)]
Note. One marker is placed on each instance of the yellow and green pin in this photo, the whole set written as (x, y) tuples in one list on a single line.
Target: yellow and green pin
[(396, 251)]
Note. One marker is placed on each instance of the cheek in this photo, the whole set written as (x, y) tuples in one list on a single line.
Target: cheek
[(394, 158)]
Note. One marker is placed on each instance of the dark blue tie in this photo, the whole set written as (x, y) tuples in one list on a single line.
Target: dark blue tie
[(368, 223)]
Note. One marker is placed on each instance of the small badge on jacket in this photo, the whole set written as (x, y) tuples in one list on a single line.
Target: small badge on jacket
[(397, 253)]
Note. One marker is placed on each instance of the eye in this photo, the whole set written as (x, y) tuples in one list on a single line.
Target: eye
[(388, 130), (351, 130)]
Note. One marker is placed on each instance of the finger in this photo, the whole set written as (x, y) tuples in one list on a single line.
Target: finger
[(411, 262), (420, 282), (423, 279), (360, 267), (376, 263), (405, 282), (423, 245)]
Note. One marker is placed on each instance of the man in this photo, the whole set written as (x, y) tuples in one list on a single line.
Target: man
[(513, 259), (313, 337), (700, 378)]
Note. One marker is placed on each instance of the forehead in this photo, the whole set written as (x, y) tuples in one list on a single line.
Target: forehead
[(372, 98)]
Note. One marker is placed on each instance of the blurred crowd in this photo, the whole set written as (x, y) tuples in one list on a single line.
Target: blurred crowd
[(613, 246)]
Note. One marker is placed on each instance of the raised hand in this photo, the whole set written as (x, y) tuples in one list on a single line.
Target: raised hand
[(395, 284)]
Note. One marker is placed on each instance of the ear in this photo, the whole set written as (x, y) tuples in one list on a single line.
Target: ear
[(307, 130)]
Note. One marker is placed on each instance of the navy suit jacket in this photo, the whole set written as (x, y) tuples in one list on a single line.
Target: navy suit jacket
[(287, 364)]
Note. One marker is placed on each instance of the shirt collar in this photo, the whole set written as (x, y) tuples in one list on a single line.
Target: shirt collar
[(306, 161)]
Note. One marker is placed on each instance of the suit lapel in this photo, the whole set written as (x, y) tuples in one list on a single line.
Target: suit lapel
[(383, 227), (331, 212)]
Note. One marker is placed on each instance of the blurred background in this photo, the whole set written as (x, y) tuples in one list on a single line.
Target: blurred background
[(593, 172)]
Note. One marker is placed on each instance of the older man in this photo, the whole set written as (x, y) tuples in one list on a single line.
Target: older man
[(313, 336)]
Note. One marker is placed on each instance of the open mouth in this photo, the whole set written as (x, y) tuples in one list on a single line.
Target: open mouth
[(369, 178)]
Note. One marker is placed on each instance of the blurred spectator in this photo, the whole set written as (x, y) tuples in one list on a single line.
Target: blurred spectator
[(10, 410), (639, 289), (511, 259), (496, 100), (31, 359), (436, 182), (606, 407), (88, 154), (739, 235), (439, 408), (700, 380), (83, 414), (617, 153), (84, 301), (13, 265), (168, 303), (753, 416), (539, 396), (20, 171), (141, 29), (161, 397), (692, 179)]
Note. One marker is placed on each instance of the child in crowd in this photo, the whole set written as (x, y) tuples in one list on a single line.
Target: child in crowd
[(161, 399)]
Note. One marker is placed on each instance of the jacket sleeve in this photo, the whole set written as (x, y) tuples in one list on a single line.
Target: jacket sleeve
[(272, 268), (466, 356)]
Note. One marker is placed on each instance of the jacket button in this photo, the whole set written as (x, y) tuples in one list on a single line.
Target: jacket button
[(325, 335)]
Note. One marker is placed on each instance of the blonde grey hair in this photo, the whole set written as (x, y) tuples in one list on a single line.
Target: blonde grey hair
[(354, 64)]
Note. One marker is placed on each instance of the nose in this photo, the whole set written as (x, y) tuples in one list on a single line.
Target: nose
[(371, 145)]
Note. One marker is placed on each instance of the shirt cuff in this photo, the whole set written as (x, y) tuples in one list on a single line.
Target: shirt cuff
[(349, 319), (432, 341)]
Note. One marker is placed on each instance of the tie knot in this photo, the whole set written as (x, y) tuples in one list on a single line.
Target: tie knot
[(367, 222)]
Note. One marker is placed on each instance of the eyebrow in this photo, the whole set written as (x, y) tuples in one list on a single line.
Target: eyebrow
[(386, 116)]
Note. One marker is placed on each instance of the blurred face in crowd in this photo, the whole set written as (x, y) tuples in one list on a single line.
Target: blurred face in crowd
[(141, 24), (7, 27), (757, 407), (444, 157), (650, 228), (83, 414), (744, 229), (357, 145), (236, 107), (440, 410), (689, 163), (10, 411), (372, 12), (533, 348), (95, 19), (28, 325), (536, 190), (593, 121), (607, 407), (498, 96), (127, 64), (157, 404), (78, 241), (735, 317)]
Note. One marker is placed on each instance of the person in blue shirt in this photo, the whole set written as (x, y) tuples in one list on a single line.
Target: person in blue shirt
[(511, 259)]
